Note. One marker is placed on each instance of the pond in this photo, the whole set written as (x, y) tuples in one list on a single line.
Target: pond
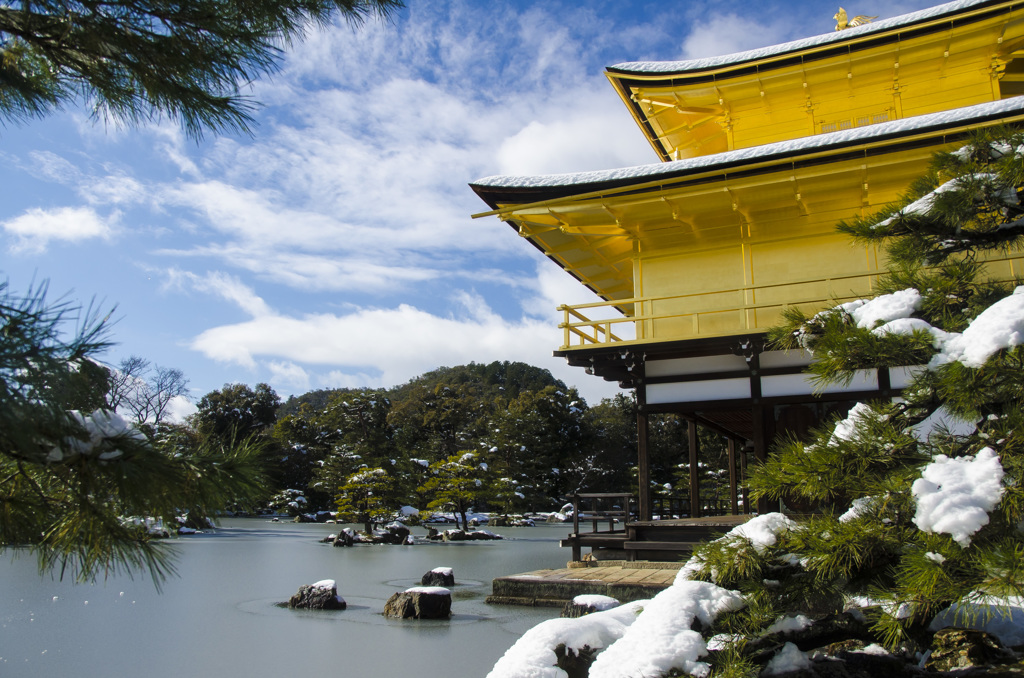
[(219, 616)]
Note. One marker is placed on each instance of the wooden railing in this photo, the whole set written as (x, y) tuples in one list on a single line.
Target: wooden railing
[(604, 506), (671, 507), (579, 330), (640, 319)]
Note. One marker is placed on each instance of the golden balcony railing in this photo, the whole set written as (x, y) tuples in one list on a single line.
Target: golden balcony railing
[(738, 310)]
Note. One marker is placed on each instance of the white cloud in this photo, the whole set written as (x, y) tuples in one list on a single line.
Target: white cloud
[(601, 135), (290, 375), (37, 227), (729, 33), (179, 409), (50, 166), (385, 347), (221, 285), (113, 189)]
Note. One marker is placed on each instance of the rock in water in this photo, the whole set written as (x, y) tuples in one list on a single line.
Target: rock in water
[(420, 602), (345, 538), (322, 595), (439, 576), (396, 534)]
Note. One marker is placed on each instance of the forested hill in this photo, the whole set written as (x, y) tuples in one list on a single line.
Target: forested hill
[(529, 440), (498, 379)]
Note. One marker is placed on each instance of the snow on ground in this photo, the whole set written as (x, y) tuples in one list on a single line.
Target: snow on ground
[(598, 602), (662, 637), (954, 496), (650, 637), (533, 655)]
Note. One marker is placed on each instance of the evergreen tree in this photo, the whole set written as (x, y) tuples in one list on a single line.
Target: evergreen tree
[(535, 441), (457, 484), (355, 424), (73, 474), (368, 497), (918, 502), (137, 60)]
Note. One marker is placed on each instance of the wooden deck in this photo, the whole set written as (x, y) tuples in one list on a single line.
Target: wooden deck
[(660, 540), (624, 581)]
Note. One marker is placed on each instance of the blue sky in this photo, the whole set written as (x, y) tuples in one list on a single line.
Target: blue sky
[(334, 247)]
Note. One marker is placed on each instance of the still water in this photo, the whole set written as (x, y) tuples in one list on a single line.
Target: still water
[(219, 616)]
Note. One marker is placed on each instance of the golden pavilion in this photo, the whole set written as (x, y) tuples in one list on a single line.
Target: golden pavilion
[(762, 153)]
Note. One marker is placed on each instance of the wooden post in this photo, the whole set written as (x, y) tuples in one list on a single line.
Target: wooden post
[(643, 467), (761, 447), (760, 416), (743, 479), (733, 494), (691, 429)]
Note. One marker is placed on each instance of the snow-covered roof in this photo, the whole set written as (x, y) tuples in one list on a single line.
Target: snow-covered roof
[(796, 45), (630, 175)]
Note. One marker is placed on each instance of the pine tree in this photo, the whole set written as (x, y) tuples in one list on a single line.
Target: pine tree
[(917, 503), (134, 61), (368, 497), (74, 476), (456, 484)]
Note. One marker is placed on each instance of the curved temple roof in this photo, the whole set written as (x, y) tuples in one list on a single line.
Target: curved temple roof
[(670, 67), (497, 190)]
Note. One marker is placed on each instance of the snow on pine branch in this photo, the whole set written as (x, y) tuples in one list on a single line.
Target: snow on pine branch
[(955, 496), (106, 431), (998, 327)]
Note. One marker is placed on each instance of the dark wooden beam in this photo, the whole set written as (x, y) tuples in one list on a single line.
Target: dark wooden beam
[(643, 468), (691, 430), (733, 490)]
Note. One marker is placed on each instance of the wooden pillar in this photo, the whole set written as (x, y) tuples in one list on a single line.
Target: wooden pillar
[(743, 479), (691, 429), (760, 416), (733, 490), (643, 467)]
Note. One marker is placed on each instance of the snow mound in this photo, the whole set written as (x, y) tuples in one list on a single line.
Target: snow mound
[(954, 496), (999, 326), (884, 308), (533, 655), (598, 602), (662, 638)]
